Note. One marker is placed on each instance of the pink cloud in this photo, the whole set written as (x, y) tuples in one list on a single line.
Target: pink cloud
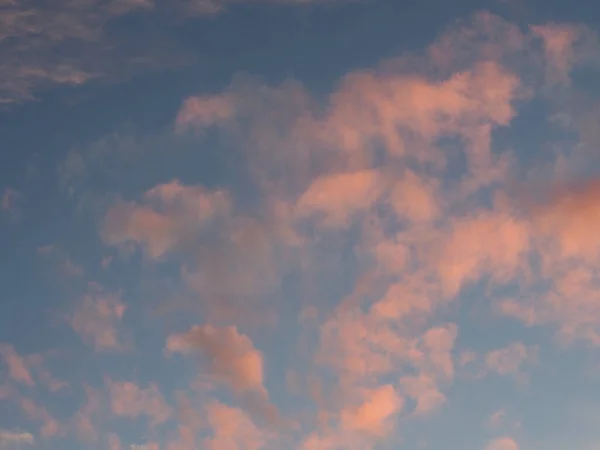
[(114, 443), (361, 424), (9, 200), (232, 429), (339, 196), (494, 243), (129, 400), (50, 426), (86, 421), (15, 438), (169, 214), (239, 267), (504, 443), (17, 367), (424, 391), (374, 415), (205, 111), (420, 240), (59, 258), (509, 360), (405, 113), (213, 7), (565, 46), (497, 419), (97, 320), (234, 359), (415, 197), (567, 246)]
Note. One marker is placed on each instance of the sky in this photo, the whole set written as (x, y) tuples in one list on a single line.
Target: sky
[(299, 224)]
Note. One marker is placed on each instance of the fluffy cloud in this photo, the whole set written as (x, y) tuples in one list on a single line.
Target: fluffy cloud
[(233, 357), (232, 429), (374, 414)]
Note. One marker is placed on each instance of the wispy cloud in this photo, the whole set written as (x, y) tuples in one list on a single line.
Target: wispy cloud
[(15, 439)]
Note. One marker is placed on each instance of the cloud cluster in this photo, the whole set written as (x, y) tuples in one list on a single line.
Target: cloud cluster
[(382, 205)]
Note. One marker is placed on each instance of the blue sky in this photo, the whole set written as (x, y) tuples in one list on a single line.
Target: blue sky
[(311, 225)]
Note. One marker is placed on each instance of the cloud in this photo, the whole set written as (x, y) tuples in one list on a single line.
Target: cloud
[(15, 440), (211, 7), (97, 318), (170, 214), (73, 42), (233, 357), (423, 389), (233, 361), (486, 243), (509, 360), (339, 196), (372, 179), (205, 111), (497, 419), (403, 112), (232, 429), (568, 250), (86, 420), (17, 366), (502, 444), (9, 200), (114, 442), (32, 32), (50, 426), (565, 46), (129, 400), (374, 415), (60, 259), (369, 168)]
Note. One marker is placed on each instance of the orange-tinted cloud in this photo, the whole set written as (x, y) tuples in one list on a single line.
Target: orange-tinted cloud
[(568, 249), (496, 244), (374, 415)]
